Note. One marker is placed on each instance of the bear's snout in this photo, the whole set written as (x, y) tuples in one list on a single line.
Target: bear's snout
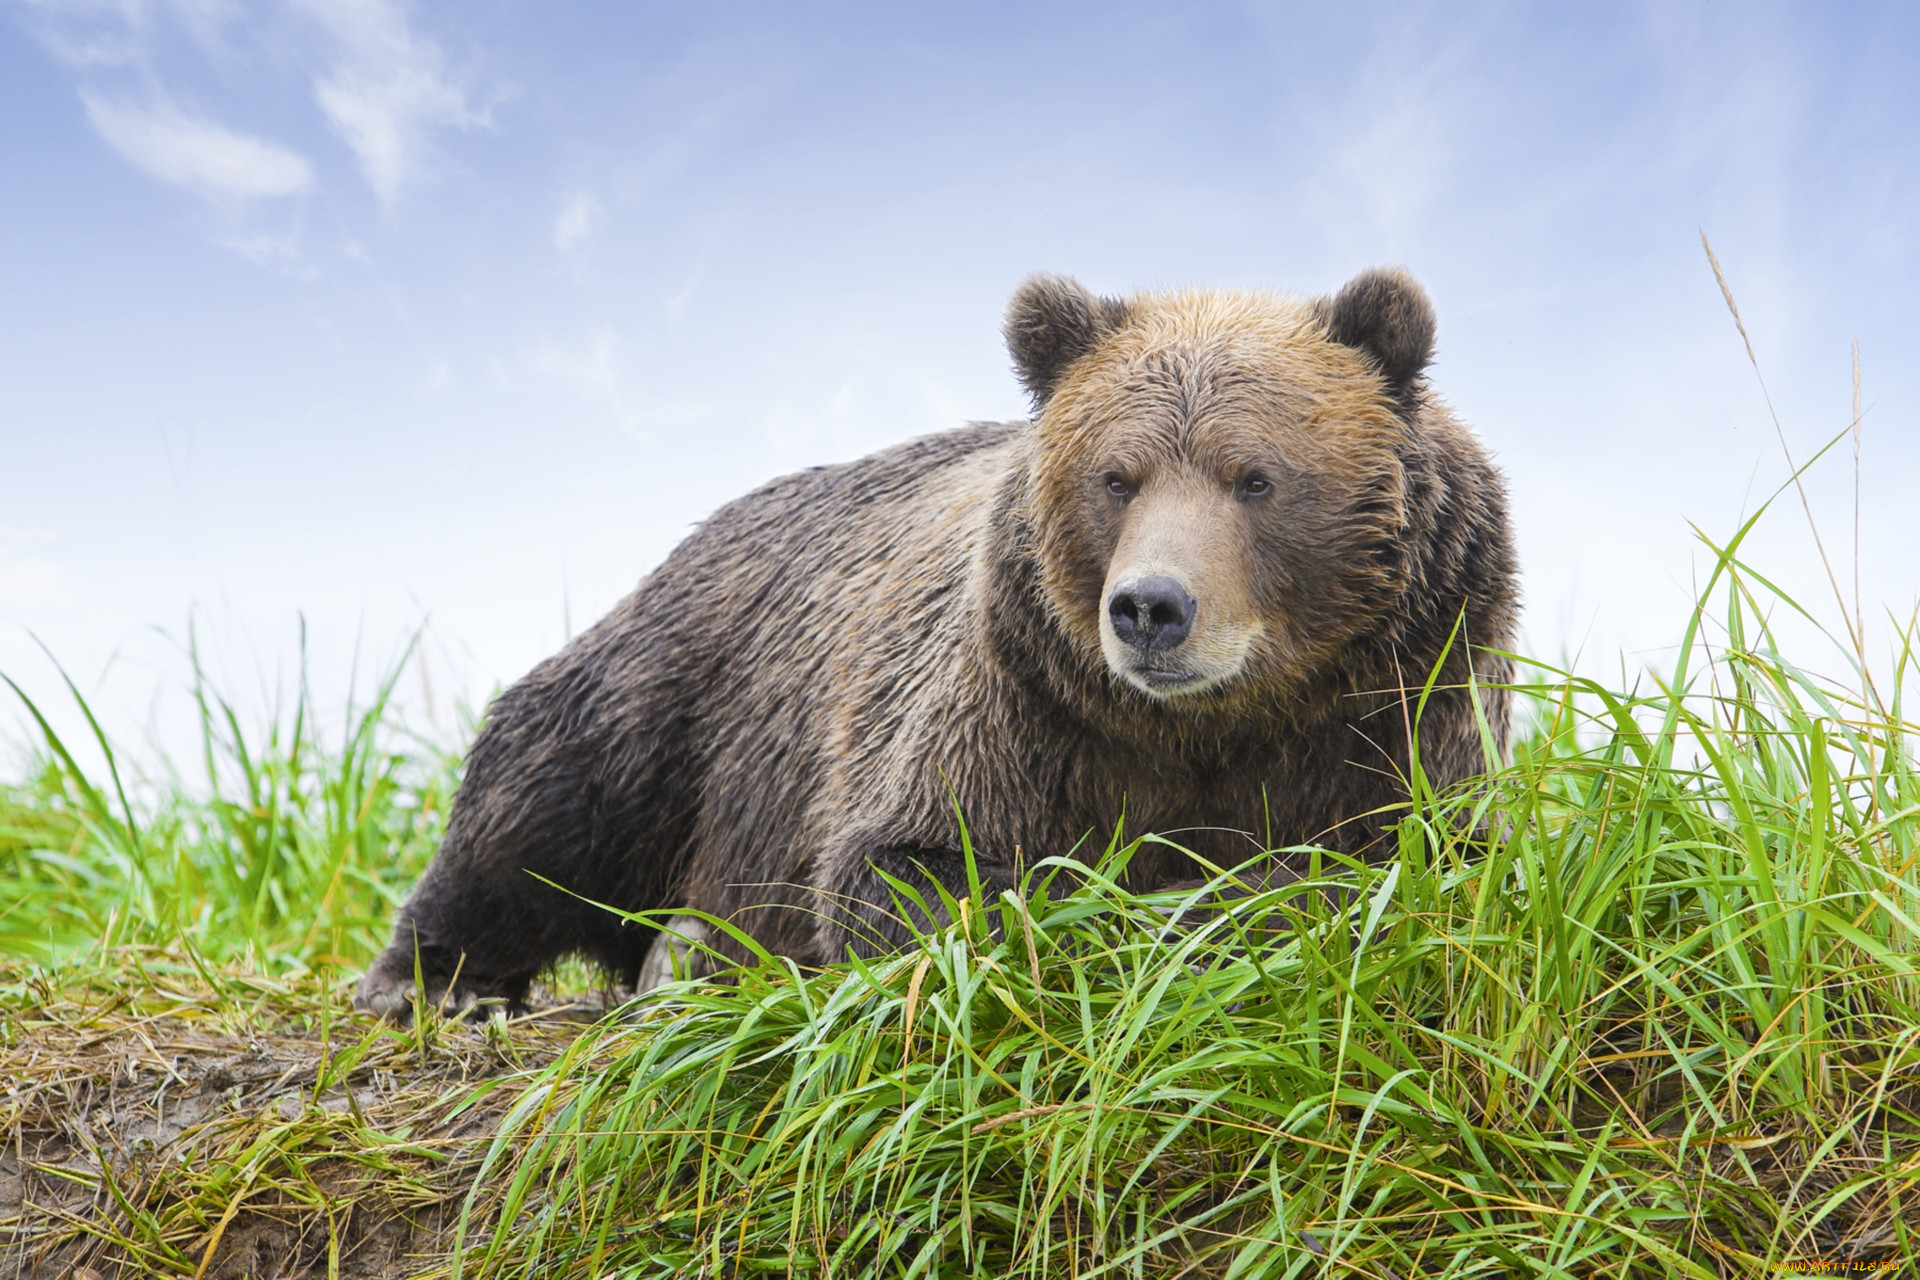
[(1154, 614)]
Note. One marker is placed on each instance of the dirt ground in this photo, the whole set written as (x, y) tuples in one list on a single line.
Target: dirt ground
[(165, 1120)]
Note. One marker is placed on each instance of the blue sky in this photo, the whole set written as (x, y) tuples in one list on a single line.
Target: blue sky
[(375, 313)]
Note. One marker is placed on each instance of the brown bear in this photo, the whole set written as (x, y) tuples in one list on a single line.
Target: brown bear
[(1202, 587)]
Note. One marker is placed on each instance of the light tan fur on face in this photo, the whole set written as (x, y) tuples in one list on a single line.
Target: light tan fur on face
[(1180, 529), (1194, 393)]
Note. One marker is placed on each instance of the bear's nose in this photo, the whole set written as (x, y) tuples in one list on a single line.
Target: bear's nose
[(1153, 613)]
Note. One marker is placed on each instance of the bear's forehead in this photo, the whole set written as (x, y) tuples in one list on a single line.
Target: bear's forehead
[(1230, 338), (1219, 372), (1254, 312)]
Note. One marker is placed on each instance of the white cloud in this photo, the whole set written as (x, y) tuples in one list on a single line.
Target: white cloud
[(1379, 160), (26, 582), (382, 87), (676, 305), (591, 371), (280, 252), (92, 33), (388, 90), (123, 33), (579, 218), (209, 22), (211, 159), (595, 369)]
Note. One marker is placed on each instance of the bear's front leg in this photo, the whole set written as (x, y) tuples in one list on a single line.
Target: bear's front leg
[(453, 946)]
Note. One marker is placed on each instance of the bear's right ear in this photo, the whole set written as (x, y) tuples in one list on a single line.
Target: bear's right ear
[(1051, 322)]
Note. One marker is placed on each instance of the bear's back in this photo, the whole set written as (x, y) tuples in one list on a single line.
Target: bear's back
[(806, 608)]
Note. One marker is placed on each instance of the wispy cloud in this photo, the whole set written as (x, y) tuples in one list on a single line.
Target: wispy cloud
[(92, 33), (1378, 159), (388, 90), (278, 251), (578, 219), (27, 581), (139, 95), (382, 87), (595, 369), (219, 163), (123, 33)]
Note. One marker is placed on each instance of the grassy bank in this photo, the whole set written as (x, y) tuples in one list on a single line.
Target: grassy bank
[(1644, 1003), (1660, 1020), (289, 847)]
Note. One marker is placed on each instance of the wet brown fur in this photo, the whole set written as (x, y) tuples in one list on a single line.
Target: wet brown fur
[(797, 698)]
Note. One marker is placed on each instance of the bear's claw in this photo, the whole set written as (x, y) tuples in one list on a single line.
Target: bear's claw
[(392, 995)]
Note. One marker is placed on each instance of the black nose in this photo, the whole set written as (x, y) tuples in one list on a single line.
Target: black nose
[(1154, 613)]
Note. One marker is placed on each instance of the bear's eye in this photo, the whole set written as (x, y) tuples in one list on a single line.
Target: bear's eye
[(1256, 486), (1119, 488)]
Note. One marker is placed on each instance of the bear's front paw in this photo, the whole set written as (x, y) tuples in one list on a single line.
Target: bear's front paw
[(392, 995), (383, 1001), (389, 991)]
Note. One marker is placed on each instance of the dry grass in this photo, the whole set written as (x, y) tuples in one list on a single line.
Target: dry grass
[(162, 1117)]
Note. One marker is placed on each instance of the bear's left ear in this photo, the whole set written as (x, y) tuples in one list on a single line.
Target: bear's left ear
[(1385, 313), (1051, 322)]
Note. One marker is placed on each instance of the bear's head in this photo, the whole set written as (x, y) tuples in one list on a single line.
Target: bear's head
[(1218, 482)]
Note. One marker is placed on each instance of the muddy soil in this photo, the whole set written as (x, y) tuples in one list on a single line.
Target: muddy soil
[(228, 1141)]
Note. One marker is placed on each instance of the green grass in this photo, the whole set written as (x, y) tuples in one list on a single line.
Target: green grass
[(1643, 1002), (293, 852)]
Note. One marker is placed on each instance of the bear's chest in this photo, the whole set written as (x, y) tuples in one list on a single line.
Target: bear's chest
[(1225, 805)]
